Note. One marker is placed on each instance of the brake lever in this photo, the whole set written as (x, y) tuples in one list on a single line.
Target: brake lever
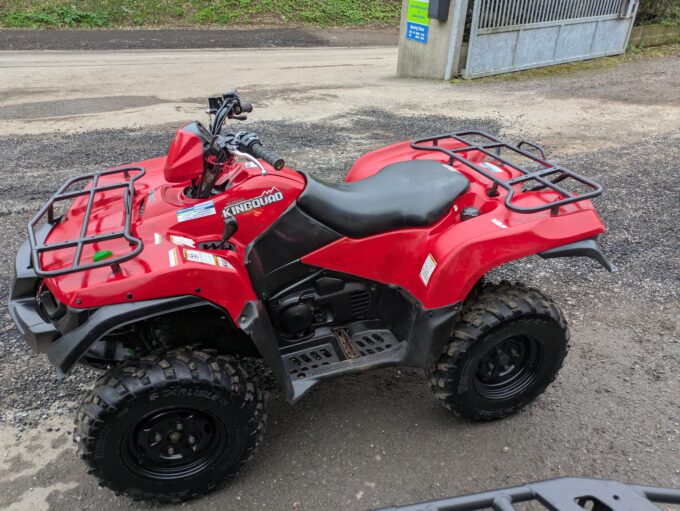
[(238, 117), (248, 157)]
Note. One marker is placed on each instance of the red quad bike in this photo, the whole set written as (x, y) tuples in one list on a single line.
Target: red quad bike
[(174, 273)]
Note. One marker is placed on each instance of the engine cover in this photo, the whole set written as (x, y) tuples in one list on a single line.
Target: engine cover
[(320, 301)]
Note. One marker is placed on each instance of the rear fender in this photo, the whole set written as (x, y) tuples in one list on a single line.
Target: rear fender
[(468, 251), (584, 248)]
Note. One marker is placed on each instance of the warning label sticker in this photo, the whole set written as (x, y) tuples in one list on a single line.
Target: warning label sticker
[(197, 211), (181, 240), (428, 268), (197, 256)]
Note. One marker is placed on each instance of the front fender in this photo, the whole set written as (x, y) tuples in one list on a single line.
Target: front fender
[(68, 349)]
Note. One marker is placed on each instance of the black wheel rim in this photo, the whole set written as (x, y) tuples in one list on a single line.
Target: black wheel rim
[(509, 367), (174, 443)]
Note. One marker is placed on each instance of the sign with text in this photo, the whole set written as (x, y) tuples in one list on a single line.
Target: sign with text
[(417, 21)]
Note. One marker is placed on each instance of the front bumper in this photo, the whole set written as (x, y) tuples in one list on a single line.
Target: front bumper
[(24, 309), (31, 319)]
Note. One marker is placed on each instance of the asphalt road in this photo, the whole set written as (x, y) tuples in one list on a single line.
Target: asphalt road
[(379, 438)]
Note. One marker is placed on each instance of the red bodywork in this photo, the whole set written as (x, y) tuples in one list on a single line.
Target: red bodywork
[(463, 251)]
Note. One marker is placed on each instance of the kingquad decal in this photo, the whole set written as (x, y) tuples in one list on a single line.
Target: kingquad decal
[(268, 197)]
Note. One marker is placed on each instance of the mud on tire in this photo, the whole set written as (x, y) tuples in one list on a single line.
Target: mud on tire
[(506, 349), (171, 426)]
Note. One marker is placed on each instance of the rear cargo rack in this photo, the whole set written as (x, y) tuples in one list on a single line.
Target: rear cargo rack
[(127, 184), (493, 148), (563, 494)]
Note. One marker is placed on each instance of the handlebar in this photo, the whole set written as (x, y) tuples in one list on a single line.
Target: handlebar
[(261, 153)]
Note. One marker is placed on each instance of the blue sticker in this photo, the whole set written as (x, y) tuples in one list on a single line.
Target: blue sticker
[(417, 32), (197, 211)]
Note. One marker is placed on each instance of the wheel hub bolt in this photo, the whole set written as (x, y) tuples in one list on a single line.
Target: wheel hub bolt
[(191, 439), (171, 451), (179, 426), (157, 437)]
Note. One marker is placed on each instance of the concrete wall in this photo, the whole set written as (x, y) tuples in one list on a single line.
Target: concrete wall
[(418, 60), (654, 35)]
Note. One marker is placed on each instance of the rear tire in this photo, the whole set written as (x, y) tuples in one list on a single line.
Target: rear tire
[(508, 346), (171, 426)]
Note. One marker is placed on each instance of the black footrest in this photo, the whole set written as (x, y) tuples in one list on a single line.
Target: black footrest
[(309, 359), (357, 351), (372, 342)]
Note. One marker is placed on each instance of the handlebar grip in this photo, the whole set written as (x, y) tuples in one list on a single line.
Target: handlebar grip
[(246, 107), (261, 153)]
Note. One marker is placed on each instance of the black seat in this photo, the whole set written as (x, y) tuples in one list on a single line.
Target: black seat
[(405, 194)]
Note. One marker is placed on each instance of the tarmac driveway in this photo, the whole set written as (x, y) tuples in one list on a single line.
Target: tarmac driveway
[(379, 438)]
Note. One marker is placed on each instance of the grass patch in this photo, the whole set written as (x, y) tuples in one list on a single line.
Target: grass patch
[(126, 13), (634, 53)]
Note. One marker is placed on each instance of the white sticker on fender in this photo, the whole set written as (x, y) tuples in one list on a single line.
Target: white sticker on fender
[(181, 240), (493, 168), (428, 268), (172, 255), (197, 256), (500, 224), (196, 211)]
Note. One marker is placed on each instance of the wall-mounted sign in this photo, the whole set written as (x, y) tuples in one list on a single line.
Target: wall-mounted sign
[(417, 21)]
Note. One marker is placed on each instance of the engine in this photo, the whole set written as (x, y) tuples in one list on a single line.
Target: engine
[(320, 301)]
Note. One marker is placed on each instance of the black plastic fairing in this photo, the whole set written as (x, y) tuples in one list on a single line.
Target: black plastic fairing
[(273, 258), (68, 349), (584, 248)]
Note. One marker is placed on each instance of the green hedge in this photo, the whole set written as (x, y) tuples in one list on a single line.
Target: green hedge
[(658, 11), (110, 13)]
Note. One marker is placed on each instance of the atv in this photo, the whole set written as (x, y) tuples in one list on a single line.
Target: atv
[(180, 276)]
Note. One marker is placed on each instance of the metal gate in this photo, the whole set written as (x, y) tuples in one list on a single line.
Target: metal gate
[(510, 35)]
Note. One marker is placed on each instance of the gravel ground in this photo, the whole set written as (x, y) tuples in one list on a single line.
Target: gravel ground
[(613, 412), (50, 39)]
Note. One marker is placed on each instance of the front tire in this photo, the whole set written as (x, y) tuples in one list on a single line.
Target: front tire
[(506, 349), (172, 426)]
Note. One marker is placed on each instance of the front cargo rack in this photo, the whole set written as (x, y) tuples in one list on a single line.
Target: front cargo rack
[(65, 193), (493, 148)]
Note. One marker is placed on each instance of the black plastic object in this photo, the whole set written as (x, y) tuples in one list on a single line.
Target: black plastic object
[(230, 225), (310, 358), (65, 192), (404, 194), (547, 176), (584, 248), (264, 154), (68, 349), (468, 213), (565, 494), (438, 10)]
